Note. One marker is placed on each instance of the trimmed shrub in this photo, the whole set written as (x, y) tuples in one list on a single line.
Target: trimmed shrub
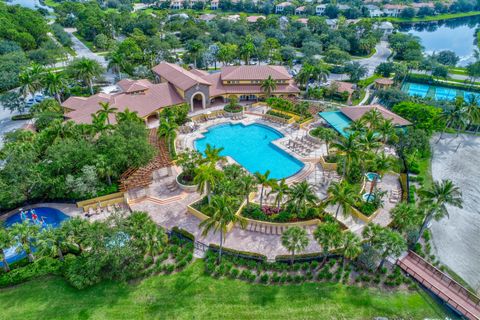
[(184, 233), (244, 254)]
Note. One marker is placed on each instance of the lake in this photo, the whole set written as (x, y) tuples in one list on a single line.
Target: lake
[(457, 35), (31, 4)]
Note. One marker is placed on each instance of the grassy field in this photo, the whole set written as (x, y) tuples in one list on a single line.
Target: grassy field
[(439, 17), (192, 295)]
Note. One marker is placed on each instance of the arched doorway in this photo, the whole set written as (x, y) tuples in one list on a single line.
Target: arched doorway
[(197, 101)]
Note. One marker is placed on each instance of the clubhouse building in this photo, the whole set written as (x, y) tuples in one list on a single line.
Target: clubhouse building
[(176, 85)]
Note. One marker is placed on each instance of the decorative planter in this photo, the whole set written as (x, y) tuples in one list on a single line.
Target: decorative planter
[(313, 138), (233, 114), (186, 188), (331, 166)]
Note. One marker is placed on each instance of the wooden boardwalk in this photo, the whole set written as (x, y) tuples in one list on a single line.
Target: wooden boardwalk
[(447, 289)]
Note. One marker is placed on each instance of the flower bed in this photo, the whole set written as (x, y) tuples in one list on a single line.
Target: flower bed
[(233, 109), (273, 214), (279, 114)]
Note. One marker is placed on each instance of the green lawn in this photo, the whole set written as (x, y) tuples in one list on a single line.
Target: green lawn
[(192, 295), (445, 16)]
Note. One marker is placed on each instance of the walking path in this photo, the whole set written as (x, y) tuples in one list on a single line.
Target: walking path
[(441, 285)]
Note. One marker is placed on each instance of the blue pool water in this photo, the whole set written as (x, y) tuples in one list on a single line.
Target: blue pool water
[(51, 218), (371, 176), (251, 146), (438, 92), (337, 120)]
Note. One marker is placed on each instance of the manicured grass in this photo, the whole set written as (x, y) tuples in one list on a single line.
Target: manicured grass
[(425, 167), (192, 295)]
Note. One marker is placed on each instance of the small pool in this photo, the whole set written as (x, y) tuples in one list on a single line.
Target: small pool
[(251, 146), (371, 176), (45, 217), (337, 120), (366, 196)]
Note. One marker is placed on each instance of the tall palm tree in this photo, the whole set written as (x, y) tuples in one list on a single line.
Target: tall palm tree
[(391, 244), (300, 195), (106, 110), (127, 116), (472, 110), (50, 243), (30, 79), (206, 178), (86, 70), (212, 154), (222, 215), (406, 216), (265, 181), (280, 189), (386, 130), (248, 184), (99, 122), (349, 147), (117, 63), (295, 239), (168, 130), (75, 231), (453, 117), (373, 118), (382, 163), (435, 199), (351, 246), (25, 233), (146, 233), (342, 194), (369, 140), (7, 240), (54, 83), (328, 236), (268, 86)]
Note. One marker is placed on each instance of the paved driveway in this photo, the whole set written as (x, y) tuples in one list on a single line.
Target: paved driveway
[(381, 55)]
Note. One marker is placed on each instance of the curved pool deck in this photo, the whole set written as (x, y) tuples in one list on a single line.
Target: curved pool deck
[(252, 147)]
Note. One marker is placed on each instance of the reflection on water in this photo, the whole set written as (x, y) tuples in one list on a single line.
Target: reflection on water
[(457, 35)]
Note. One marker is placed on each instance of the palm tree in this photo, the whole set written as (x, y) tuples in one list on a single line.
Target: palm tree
[(382, 164), (104, 169), (7, 240), (248, 184), (343, 194), (212, 154), (280, 189), (106, 110), (146, 233), (264, 181), (75, 231), (295, 239), (54, 83), (435, 199), (167, 129), (268, 86), (351, 246), (206, 178), (99, 122), (128, 116), (472, 110), (50, 242), (373, 118), (391, 244), (222, 215), (453, 117), (327, 135), (369, 140), (350, 148), (25, 232), (86, 70), (386, 130), (117, 63), (300, 195), (30, 79), (406, 216), (328, 236)]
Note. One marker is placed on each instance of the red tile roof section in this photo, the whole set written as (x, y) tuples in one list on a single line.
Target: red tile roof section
[(178, 76), (355, 113), (254, 73), (155, 97)]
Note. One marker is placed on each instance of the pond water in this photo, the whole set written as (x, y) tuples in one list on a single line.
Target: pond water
[(457, 35), (31, 4)]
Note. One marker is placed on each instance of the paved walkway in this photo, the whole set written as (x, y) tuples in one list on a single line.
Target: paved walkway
[(441, 285)]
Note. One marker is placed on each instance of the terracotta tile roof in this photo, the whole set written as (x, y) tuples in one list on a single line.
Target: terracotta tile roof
[(254, 19), (155, 97), (355, 113), (217, 88), (129, 86), (200, 73), (384, 81), (344, 86), (178, 76), (254, 73), (395, 6)]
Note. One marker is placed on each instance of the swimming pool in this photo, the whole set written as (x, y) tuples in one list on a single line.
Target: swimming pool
[(51, 218), (337, 120), (251, 146)]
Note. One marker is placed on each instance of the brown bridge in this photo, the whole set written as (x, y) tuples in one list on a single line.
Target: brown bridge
[(447, 289)]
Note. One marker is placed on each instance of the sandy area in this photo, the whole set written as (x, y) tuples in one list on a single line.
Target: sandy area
[(457, 239)]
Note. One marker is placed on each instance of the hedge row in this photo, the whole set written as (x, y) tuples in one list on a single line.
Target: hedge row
[(243, 254), (314, 256), (183, 233)]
